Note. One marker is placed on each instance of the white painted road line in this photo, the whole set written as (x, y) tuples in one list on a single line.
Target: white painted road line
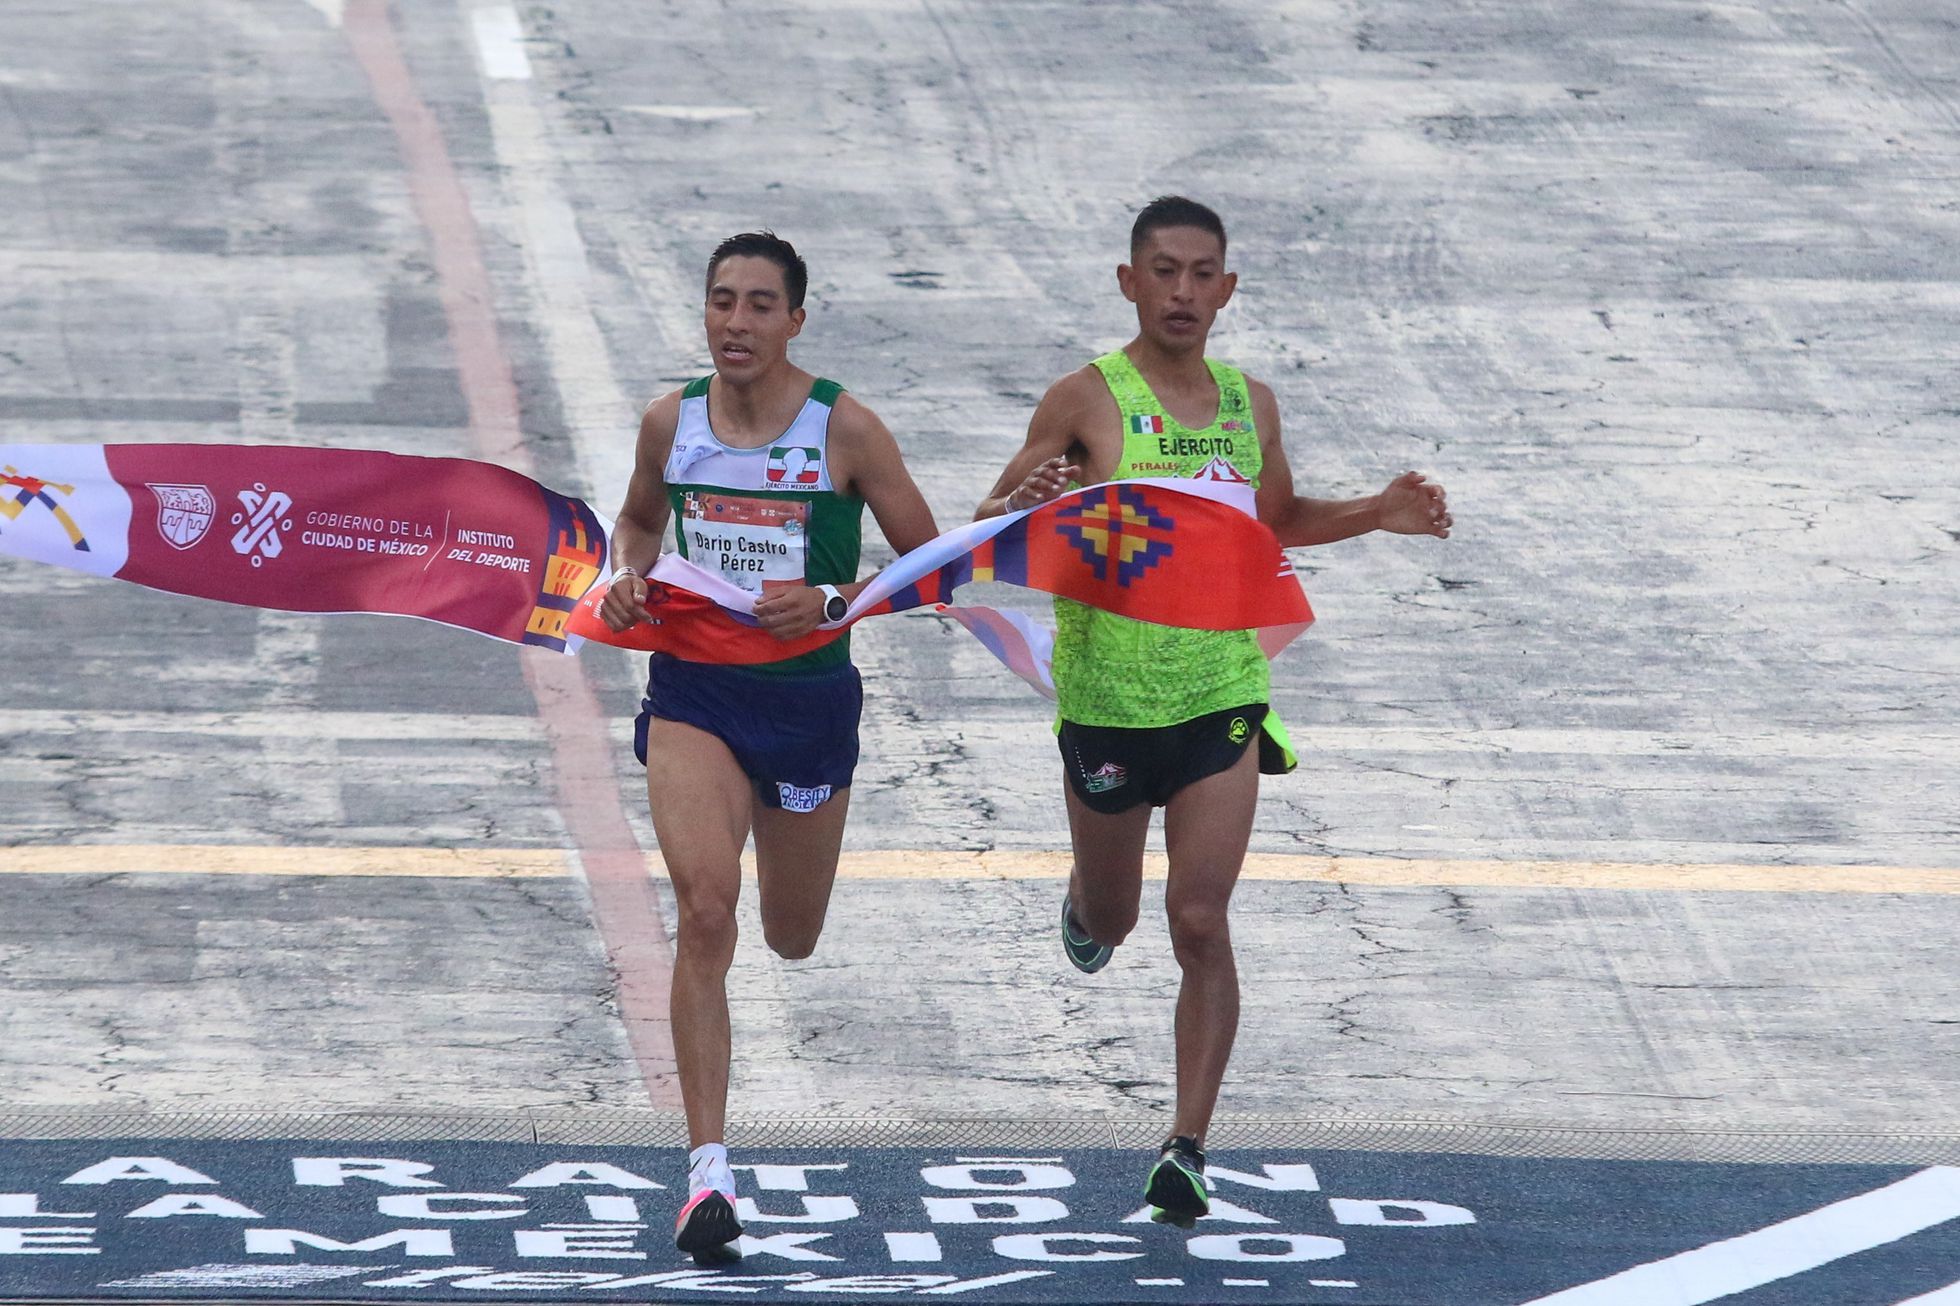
[(558, 270), (693, 112), (500, 43), (1011, 864), (1947, 1296), (1857, 1224), (572, 328), (1932, 747), (16, 722)]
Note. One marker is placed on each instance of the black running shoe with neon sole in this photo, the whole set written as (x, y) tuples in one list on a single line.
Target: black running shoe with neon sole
[(706, 1229), (1176, 1188), (1084, 953)]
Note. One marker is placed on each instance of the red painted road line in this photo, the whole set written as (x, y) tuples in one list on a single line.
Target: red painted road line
[(624, 904)]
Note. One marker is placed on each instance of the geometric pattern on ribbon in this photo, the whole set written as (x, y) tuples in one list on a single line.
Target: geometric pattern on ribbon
[(1120, 524)]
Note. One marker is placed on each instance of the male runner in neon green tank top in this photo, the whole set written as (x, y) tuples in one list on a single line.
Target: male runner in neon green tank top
[(1161, 716)]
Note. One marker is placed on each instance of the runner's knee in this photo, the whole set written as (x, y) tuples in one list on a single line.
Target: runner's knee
[(791, 942), (707, 924), (1107, 922), (1199, 929)]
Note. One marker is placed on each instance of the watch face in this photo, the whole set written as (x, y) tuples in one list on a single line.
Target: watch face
[(835, 608)]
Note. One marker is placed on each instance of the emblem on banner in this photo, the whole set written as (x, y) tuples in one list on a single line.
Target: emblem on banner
[(184, 513), (1122, 525), (260, 523), (18, 492), (578, 551)]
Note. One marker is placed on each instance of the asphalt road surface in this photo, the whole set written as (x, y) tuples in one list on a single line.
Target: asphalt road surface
[(1666, 294)]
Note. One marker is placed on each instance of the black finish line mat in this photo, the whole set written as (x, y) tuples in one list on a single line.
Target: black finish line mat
[(421, 1221)]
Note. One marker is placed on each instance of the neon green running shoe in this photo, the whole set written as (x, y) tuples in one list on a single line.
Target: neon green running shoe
[(1177, 1184)]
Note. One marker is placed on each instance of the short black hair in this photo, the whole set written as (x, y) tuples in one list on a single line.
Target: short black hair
[(1174, 211), (764, 244)]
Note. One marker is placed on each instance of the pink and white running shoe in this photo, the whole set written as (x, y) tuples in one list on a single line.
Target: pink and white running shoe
[(706, 1228)]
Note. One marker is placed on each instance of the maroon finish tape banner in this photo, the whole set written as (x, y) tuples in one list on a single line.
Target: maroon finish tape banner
[(453, 540), (482, 548)]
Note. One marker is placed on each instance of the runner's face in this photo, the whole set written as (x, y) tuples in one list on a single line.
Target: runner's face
[(1178, 283), (749, 320)]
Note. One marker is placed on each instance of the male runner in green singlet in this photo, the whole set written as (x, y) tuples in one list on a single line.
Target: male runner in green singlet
[(765, 471), (1158, 716)]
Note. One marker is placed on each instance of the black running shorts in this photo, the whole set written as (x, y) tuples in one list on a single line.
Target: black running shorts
[(1114, 768)]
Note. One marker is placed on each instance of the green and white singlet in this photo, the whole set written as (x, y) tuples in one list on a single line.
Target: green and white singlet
[(1115, 671), (768, 515)]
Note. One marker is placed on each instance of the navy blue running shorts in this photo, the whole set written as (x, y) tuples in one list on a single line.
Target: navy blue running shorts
[(794, 735), (1114, 768)]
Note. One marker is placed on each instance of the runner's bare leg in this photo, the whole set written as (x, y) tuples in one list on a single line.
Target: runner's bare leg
[(796, 865), (1106, 884), (1207, 826), (700, 802)]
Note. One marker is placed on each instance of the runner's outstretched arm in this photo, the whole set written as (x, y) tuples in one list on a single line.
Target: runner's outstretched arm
[(643, 517), (1053, 455), (1411, 504)]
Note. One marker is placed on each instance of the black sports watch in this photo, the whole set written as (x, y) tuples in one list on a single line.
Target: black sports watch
[(834, 603)]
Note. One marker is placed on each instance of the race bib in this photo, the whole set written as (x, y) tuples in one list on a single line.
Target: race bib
[(749, 542)]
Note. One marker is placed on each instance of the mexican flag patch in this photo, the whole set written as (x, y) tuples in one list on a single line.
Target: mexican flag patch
[(1152, 425)]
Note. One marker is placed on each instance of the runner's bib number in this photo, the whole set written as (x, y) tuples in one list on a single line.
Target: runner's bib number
[(748, 541)]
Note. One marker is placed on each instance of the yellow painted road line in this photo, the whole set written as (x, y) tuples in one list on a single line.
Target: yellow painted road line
[(533, 863), (223, 859)]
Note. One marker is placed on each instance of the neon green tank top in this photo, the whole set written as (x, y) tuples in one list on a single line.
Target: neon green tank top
[(1114, 671)]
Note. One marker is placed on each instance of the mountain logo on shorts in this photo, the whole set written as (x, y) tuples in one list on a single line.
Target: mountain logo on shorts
[(795, 464), (1104, 778)]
